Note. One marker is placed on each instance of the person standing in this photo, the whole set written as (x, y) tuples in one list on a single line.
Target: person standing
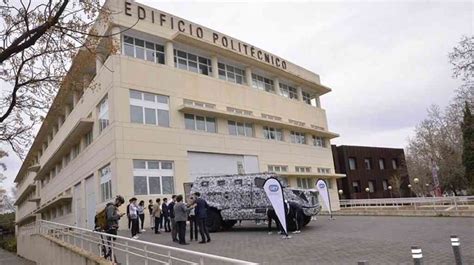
[(141, 214), (128, 214), (150, 211), (113, 216), (156, 215), (133, 212), (201, 216), (296, 213), (165, 215), (181, 214), (173, 222), (193, 230)]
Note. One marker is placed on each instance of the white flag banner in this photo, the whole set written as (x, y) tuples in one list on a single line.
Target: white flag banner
[(324, 192), (274, 193)]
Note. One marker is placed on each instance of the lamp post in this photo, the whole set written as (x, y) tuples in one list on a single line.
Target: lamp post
[(340, 193), (411, 192), (368, 194), (416, 181), (390, 190), (428, 188)]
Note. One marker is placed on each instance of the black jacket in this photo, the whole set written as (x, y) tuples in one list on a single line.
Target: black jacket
[(165, 210), (171, 209), (201, 208)]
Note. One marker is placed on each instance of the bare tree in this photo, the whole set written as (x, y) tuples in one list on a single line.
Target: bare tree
[(38, 41), (396, 183), (462, 59)]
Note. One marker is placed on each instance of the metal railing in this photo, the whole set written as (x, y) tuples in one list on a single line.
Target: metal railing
[(122, 249), (415, 202)]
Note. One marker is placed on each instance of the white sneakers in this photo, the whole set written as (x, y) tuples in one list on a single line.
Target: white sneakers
[(135, 237), (143, 230), (296, 232)]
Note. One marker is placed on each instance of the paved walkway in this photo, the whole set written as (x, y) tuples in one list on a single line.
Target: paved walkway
[(8, 258), (345, 240)]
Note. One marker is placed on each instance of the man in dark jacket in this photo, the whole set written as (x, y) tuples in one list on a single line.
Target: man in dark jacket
[(296, 213), (201, 216), (166, 215), (174, 231), (113, 216)]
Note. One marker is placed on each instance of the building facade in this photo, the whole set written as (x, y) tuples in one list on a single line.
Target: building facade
[(174, 100), (382, 170)]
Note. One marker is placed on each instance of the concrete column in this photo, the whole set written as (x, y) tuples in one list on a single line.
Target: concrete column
[(300, 93), (318, 102), (276, 83), (116, 39), (248, 76), (75, 98), (98, 62), (169, 54), (215, 68)]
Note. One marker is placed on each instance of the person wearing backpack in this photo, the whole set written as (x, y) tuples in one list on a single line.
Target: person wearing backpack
[(107, 221), (133, 214)]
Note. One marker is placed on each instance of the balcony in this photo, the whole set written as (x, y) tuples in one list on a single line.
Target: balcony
[(57, 201), (30, 188)]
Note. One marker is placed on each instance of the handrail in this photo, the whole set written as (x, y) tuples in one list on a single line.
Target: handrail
[(87, 236)]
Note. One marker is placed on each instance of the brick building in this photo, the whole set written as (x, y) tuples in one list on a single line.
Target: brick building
[(375, 168)]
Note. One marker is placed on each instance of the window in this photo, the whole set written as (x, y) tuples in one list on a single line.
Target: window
[(352, 163), (319, 141), (145, 50), (147, 108), (205, 184), (306, 97), (322, 170), (259, 182), (88, 139), (288, 91), (367, 163), (103, 109), (303, 169), (394, 163), (240, 128), (272, 133), (105, 176), (304, 183), (191, 62), (297, 137), (277, 168), (220, 182), (153, 177), (371, 186), (231, 73), (262, 83), (381, 163), (385, 184), (238, 182), (356, 186), (199, 123)]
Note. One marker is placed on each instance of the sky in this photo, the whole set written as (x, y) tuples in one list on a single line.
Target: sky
[(385, 61)]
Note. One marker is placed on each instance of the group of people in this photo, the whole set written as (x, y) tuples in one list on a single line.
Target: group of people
[(169, 217), (293, 212)]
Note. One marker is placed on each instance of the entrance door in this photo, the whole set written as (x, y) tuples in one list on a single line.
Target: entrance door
[(187, 189), (78, 213), (90, 202)]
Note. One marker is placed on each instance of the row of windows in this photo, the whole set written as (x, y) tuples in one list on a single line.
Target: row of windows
[(154, 52), (57, 212), (299, 169), (368, 163), (371, 184)]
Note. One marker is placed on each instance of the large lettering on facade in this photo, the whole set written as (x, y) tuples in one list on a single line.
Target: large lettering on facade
[(177, 24)]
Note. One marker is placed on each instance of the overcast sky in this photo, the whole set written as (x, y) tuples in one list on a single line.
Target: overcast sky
[(386, 62)]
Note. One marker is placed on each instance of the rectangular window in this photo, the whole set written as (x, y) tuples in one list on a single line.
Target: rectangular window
[(103, 110), (277, 168), (191, 62), (105, 176), (240, 128), (303, 169), (323, 170), (145, 50), (262, 83), (304, 183), (381, 164), (297, 137), (352, 163), (367, 163), (356, 186), (153, 177), (272, 133), (385, 184), (288, 91), (148, 108), (231, 73), (371, 186), (88, 138), (306, 97), (394, 163), (199, 123), (319, 141)]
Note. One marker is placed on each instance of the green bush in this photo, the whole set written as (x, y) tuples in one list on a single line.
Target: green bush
[(8, 243)]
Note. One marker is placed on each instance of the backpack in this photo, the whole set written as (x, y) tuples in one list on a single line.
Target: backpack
[(101, 220)]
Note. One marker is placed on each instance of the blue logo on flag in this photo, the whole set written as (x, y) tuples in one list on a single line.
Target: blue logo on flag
[(322, 185), (273, 188)]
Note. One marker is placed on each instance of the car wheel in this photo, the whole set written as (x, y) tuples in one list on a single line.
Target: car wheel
[(307, 219), (214, 220), (228, 224)]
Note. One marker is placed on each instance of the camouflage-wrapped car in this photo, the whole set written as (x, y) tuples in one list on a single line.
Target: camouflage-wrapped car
[(241, 197)]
